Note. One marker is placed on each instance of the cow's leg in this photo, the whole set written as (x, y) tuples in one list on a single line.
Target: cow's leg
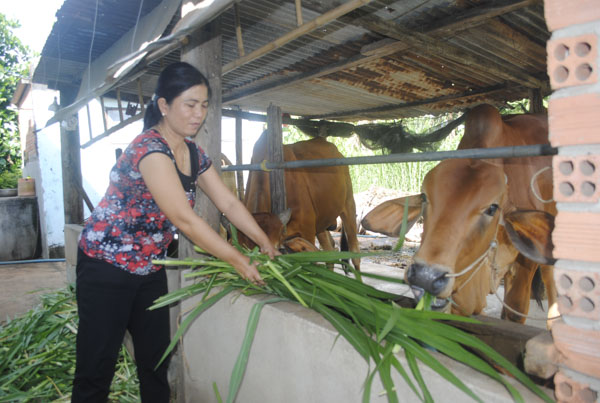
[(349, 228), (518, 295), (326, 240), (327, 243), (548, 279)]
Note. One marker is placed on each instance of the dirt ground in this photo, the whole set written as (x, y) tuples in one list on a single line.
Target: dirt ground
[(21, 285)]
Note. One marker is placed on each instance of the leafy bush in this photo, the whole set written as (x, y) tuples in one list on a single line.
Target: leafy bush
[(13, 67), (9, 178), (406, 176)]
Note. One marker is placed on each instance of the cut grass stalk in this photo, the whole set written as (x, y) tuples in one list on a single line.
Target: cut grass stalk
[(367, 318), (37, 355)]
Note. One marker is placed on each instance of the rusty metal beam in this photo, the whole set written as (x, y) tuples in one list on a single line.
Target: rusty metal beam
[(386, 47)]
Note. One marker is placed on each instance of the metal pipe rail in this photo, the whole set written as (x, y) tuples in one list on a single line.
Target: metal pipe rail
[(479, 153)]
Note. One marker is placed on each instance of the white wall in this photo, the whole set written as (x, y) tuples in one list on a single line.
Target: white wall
[(47, 170)]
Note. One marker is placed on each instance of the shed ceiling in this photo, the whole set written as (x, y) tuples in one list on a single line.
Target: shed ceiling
[(384, 60)]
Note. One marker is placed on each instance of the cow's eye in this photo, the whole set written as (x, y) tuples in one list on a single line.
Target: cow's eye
[(492, 210), (423, 198)]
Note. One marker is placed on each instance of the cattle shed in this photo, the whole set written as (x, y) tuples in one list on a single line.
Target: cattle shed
[(346, 61)]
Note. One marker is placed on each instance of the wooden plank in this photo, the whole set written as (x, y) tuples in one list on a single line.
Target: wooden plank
[(507, 338), (477, 16), (443, 49), (113, 129)]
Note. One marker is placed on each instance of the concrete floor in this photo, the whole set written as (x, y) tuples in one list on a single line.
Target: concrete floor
[(22, 284)]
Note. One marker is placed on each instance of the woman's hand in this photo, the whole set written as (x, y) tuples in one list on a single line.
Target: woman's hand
[(270, 250), (249, 272)]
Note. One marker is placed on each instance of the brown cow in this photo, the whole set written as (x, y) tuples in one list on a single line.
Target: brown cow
[(272, 224), (315, 196), (483, 219)]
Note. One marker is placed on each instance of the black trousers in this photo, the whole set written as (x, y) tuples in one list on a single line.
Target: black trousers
[(109, 301)]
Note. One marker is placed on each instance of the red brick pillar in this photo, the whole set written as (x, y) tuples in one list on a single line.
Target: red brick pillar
[(574, 118)]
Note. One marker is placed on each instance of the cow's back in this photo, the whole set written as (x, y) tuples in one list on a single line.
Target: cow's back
[(316, 196), (486, 128), (330, 188)]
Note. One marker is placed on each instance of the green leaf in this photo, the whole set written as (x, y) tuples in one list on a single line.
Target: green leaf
[(242, 359), (390, 324), (190, 318)]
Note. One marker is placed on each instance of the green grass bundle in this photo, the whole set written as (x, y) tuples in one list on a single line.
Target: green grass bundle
[(366, 317), (37, 355)]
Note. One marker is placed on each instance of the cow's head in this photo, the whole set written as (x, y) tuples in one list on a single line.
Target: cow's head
[(274, 226), (467, 223)]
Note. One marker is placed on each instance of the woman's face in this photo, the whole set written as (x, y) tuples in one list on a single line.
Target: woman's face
[(186, 113)]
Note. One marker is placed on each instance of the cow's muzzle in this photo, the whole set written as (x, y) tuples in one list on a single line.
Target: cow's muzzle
[(430, 279), (438, 304)]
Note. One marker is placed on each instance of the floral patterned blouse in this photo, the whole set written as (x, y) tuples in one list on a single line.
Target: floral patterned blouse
[(127, 228)]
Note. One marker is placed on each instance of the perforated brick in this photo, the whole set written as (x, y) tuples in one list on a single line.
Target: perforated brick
[(578, 293), (574, 120), (576, 236), (572, 391), (562, 13), (576, 178), (573, 61), (578, 349)]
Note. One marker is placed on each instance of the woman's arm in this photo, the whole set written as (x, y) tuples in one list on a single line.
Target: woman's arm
[(211, 183), (162, 180)]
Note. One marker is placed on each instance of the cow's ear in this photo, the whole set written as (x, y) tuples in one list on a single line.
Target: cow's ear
[(226, 224), (387, 217), (531, 233), (297, 244), (285, 216)]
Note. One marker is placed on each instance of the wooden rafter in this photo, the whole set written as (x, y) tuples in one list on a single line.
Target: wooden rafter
[(389, 46), (295, 34)]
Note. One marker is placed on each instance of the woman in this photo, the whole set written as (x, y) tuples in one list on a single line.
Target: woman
[(150, 195)]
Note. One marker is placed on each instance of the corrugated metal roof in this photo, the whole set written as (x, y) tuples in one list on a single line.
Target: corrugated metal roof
[(386, 59)]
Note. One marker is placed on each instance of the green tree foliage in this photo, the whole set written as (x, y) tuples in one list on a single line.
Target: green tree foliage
[(13, 66), (406, 176)]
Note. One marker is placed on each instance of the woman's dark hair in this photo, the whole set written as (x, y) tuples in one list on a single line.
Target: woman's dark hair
[(172, 81)]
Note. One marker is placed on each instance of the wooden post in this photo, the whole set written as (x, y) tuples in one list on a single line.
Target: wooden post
[(140, 94), (238, 30), (71, 170), (238, 156), (71, 163), (299, 12), (275, 154), (203, 51), (104, 113), (536, 101), (89, 118), (120, 104)]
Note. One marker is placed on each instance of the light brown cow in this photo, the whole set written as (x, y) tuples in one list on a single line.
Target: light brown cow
[(315, 196), (483, 219)]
